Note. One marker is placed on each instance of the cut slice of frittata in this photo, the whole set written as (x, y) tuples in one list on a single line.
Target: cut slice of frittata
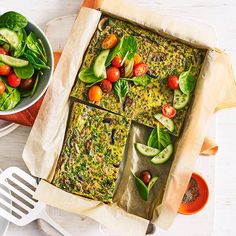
[(92, 153)]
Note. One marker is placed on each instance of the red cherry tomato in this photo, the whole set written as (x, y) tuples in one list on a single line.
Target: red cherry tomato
[(146, 176), (3, 51), (140, 69), (106, 86), (5, 70), (95, 93), (2, 87), (168, 111), (109, 42), (27, 84), (173, 82), (13, 80), (113, 74), (116, 62)]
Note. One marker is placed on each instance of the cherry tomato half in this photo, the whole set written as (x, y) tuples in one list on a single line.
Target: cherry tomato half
[(27, 84), (116, 62), (140, 69), (113, 74), (95, 93), (2, 87), (106, 86), (5, 70), (173, 82), (168, 111), (109, 42), (3, 51), (137, 58), (13, 80), (146, 176)]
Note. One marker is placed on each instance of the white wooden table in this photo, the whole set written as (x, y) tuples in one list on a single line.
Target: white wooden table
[(218, 13)]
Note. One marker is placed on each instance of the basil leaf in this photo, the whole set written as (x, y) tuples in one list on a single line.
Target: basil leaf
[(87, 76), (114, 52), (25, 72), (121, 88), (21, 47), (13, 21), (99, 80), (36, 46), (35, 60), (159, 138), (151, 183), (187, 82), (129, 48), (9, 99), (141, 80), (141, 187)]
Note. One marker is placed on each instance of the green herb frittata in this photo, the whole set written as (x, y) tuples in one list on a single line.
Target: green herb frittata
[(92, 152)]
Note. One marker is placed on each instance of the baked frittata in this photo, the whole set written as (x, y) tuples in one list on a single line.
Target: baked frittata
[(163, 56), (93, 148)]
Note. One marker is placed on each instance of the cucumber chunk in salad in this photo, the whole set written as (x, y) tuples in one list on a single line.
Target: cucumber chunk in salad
[(146, 150)]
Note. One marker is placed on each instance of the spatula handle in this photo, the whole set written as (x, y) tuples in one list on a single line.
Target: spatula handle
[(44, 216)]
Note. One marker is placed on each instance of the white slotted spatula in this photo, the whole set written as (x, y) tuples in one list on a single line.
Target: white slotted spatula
[(23, 208)]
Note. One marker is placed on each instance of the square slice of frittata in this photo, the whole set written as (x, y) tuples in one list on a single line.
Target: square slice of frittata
[(93, 149)]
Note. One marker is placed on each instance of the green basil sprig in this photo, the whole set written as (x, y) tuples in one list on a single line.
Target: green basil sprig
[(141, 80), (35, 45), (87, 76), (129, 48), (159, 138), (142, 188), (10, 98), (13, 20), (187, 81), (121, 88)]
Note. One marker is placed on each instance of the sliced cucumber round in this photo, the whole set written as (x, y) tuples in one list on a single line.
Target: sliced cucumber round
[(99, 64), (180, 99), (164, 155), (146, 150), (10, 37), (167, 122), (12, 61)]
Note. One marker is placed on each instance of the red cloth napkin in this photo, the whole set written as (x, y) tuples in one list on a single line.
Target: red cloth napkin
[(28, 116)]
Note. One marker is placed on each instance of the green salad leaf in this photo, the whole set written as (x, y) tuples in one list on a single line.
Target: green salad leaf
[(129, 48), (10, 98), (142, 188), (35, 60), (36, 46), (19, 50), (114, 52), (25, 72), (141, 80), (187, 81), (121, 88), (87, 76), (13, 21), (159, 138)]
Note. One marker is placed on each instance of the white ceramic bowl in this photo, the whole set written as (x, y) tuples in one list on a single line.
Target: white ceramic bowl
[(43, 80)]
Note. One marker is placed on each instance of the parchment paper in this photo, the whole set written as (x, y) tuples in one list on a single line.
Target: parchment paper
[(45, 141)]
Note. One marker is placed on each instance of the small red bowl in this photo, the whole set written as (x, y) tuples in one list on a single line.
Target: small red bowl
[(196, 196)]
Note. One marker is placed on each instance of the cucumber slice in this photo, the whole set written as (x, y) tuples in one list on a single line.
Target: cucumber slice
[(99, 64), (10, 37), (168, 123), (12, 61), (180, 99), (164, 155), (146, 150)]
